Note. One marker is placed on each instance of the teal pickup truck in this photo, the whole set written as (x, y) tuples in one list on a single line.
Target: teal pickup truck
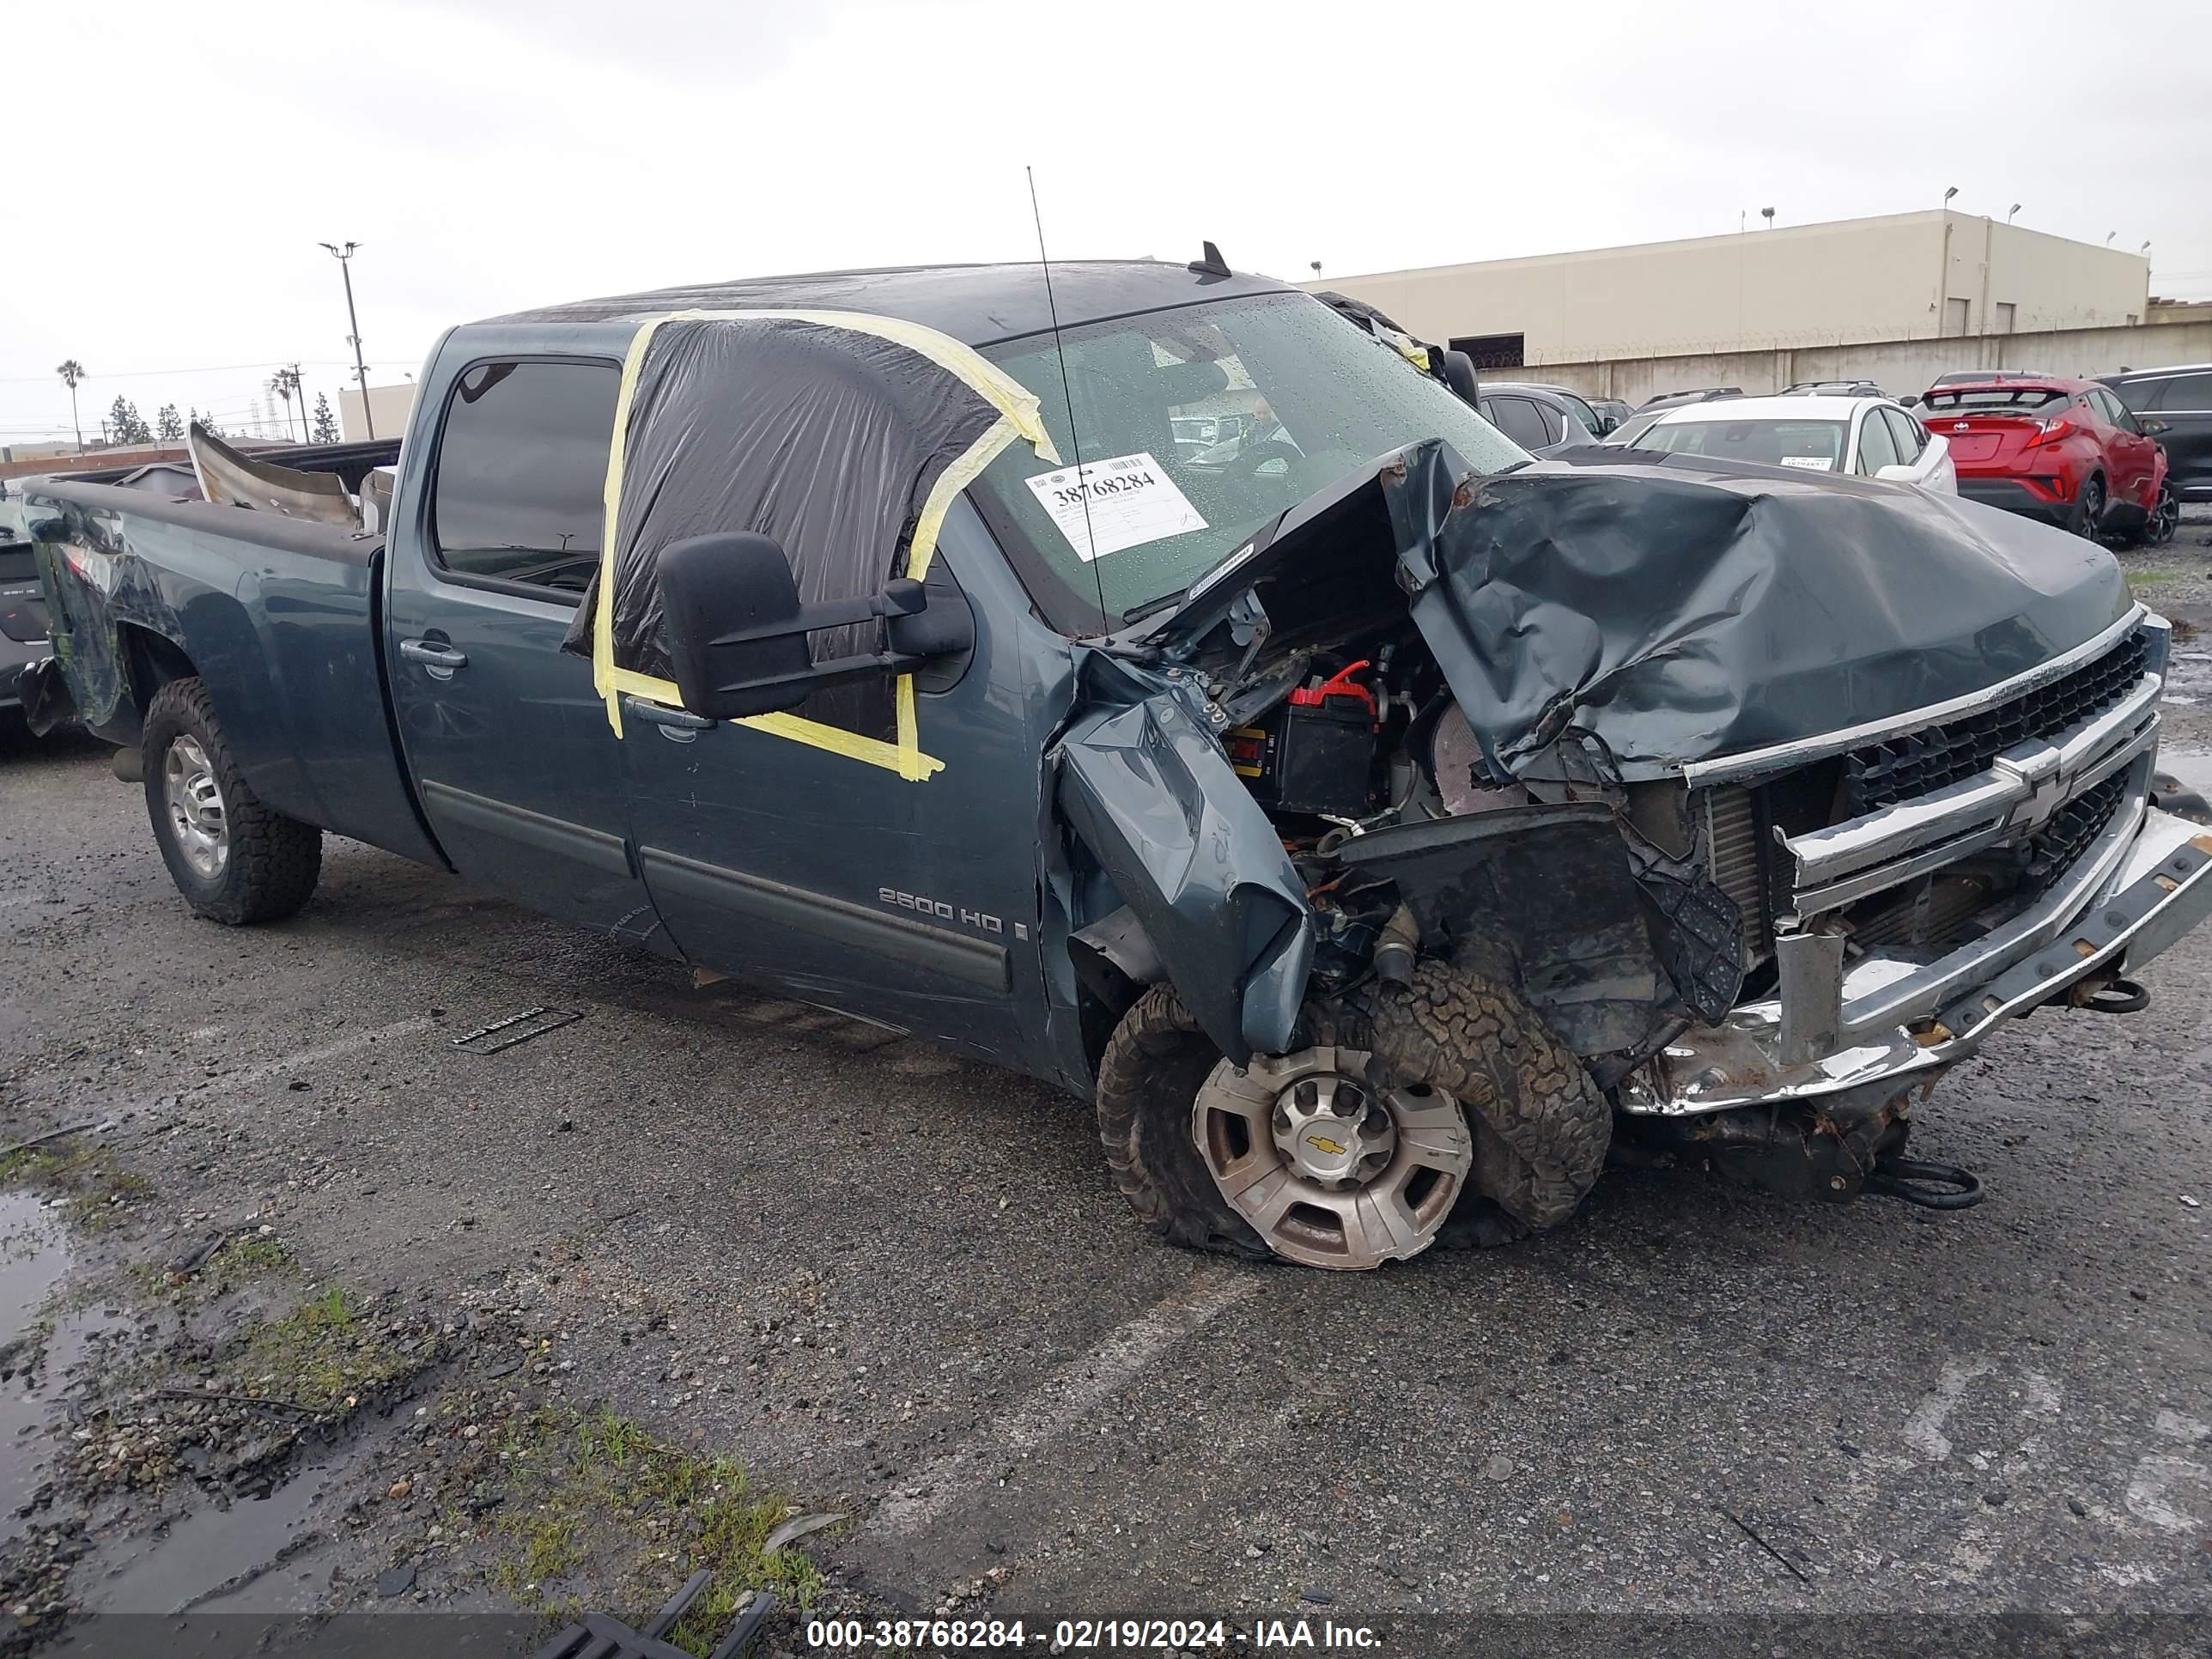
[(1377, 826)]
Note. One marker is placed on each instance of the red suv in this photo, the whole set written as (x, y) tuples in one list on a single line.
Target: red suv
[(2067, 452)]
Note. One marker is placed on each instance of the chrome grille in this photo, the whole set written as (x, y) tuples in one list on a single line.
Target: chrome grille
[(1881, 774), (2070, 830), (1732, 859)]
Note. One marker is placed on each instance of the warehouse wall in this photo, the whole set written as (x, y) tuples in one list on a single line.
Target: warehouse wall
[(1897, 366), (1826, 284)]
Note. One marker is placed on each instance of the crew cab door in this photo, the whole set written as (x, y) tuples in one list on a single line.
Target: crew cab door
[(496, 532), (791, 850)]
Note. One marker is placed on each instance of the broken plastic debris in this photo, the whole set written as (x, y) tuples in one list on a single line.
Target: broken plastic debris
[(797, 1527)]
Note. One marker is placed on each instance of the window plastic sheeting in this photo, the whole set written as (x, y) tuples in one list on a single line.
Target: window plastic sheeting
[(829, 439)]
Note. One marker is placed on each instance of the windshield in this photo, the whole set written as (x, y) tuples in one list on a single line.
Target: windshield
[(1581, 411), (1815, 445), (1297, 395)]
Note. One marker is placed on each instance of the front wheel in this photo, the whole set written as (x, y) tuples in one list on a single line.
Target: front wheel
[(234, 859), (1442, 1113), (2160, 524)]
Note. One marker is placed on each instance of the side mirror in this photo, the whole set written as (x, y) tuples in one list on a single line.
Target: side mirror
[(2153, 428), (737, 631), (1460, 376), (1897, 474), (1606, 426)]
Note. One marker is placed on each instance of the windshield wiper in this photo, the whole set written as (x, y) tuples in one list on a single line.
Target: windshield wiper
[(1151, 607)]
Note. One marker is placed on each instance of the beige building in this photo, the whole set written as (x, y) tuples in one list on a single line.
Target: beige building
[(389, 406), (1905, 276)]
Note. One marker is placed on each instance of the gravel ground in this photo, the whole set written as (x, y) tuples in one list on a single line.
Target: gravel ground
[(897, 1286)]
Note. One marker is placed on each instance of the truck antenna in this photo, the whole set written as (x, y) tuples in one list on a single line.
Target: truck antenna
[(1067, 390)]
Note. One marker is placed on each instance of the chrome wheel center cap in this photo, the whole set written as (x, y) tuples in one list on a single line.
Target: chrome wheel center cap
[(1331, 1130)]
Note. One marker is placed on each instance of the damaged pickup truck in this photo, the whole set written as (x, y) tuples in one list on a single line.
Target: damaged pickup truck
[(1380, 828)]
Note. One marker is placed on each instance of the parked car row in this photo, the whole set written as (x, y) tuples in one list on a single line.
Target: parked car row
[(1872, 437), (2111, 457)]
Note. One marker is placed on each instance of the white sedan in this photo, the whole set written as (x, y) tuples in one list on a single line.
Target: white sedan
[(1872, 437)]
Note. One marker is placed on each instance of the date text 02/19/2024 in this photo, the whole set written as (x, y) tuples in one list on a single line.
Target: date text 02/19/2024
[(1086, 1635)]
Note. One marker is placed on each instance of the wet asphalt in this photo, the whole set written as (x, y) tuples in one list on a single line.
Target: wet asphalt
[(898, 1284)]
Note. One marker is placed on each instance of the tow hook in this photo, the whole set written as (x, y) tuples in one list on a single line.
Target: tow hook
[(1918, 1181), (2113, 996)]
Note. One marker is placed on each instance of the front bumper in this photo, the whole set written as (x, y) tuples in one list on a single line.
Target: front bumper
[(2140, 886)]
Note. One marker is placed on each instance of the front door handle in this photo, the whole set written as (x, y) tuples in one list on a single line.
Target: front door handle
[(431, 654), (661, 715)]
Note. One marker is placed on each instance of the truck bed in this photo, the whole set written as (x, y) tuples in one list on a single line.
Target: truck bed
[(281, 618)]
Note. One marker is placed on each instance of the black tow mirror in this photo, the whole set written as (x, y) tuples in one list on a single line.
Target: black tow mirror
[(737, 631), (1460, 376)]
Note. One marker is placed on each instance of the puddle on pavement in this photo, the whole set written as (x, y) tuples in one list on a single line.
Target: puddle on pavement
[(2189, 675), (184, 1566), (197, 1556), (34, 1255)]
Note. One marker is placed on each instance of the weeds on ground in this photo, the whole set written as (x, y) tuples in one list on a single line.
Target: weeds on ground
[(596, 1485), (255, 1254), (320, 1356)]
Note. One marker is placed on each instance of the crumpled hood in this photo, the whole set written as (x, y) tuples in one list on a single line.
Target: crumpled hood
[(1680, 609)]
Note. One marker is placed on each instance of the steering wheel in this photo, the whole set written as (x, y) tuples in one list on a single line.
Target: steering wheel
[(1244, 471)]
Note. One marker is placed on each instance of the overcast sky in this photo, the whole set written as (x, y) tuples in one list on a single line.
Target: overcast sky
[(174, 168)]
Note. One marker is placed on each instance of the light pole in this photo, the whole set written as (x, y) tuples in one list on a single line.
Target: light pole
[(1943, 263), (2009, 211), (344, 257)]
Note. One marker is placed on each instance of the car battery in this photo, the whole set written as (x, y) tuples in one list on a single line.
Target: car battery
[(1315, 753)]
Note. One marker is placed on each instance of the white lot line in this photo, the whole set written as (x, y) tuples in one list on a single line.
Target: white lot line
[(1066, 1395), (267, 1068)]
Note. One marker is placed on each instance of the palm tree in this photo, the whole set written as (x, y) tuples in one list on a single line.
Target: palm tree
[(285, 383), (72, 372)]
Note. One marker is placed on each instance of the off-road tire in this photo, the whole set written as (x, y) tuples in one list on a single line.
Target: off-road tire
[(1147, 1087), (1541, 1127), (274, 861)]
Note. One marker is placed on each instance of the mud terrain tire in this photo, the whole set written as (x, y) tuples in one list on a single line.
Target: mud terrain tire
[(1148, 1082), (273, 861), (1541, 1127)]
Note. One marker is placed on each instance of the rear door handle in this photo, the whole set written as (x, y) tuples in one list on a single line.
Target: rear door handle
[(431, 654), (661, 715)]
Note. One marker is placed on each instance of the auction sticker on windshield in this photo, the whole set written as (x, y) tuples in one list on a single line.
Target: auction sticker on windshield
[(1810, 463), (1132, 501)]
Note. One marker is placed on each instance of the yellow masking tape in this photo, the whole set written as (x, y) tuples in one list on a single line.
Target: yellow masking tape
[(1019, 418), (950, 482), (903, 757)]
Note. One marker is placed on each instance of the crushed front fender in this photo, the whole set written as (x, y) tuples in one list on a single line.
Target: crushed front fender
[(1145, 788)]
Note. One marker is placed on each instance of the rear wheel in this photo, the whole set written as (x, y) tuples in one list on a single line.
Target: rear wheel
[(2089, 507), (234, 859)]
